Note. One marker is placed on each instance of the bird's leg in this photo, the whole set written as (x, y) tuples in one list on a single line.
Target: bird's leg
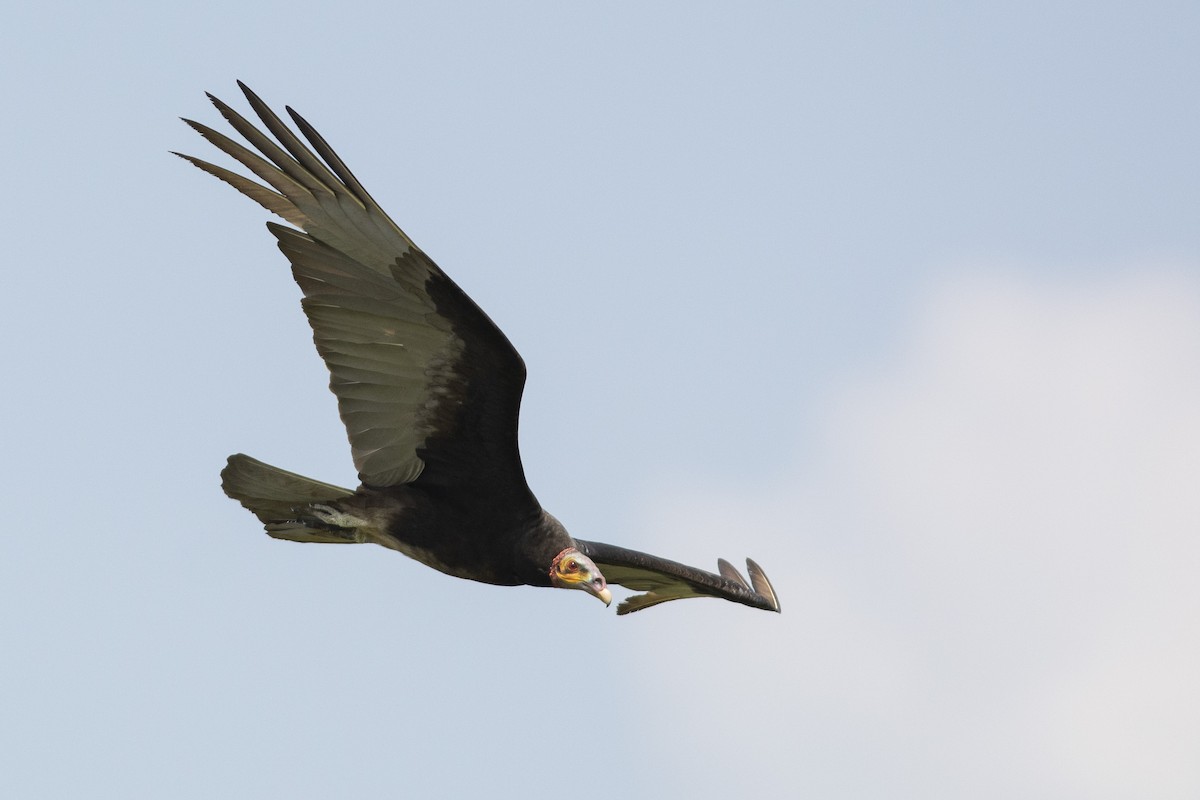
[(326, 517), (318, 522)]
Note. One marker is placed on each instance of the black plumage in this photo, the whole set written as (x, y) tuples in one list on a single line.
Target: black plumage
[(429, 389)]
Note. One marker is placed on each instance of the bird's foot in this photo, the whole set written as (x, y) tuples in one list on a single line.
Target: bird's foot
[(326, 517)]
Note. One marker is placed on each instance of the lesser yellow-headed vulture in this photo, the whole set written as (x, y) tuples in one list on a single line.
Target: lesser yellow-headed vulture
[(429, 390)]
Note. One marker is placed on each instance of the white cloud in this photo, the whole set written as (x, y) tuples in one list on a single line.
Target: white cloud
[(989, 564)]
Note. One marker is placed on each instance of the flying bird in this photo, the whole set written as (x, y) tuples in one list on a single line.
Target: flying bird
[(429, 389)]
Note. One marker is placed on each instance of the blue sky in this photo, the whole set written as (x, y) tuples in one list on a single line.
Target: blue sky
[(904, 303)]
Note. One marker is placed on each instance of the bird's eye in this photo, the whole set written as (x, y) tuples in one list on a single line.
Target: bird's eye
[(571, 566)]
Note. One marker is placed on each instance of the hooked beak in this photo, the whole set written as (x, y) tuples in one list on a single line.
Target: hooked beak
[(592, 582)]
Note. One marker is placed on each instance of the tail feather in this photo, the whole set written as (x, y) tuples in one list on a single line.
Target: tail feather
[(276, 496)]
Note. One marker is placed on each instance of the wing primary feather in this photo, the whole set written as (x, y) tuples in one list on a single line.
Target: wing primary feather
[(290, 141), (275, 203), (729, 572), (295, 171), (271, 173), (331, 158), (761, 584)]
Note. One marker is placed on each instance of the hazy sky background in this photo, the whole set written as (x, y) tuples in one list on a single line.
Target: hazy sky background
[(901, 300)]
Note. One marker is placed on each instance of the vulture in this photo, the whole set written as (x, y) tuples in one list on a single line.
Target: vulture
[(429, 390)]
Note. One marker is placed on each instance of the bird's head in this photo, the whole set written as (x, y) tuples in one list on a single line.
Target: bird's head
[(571, 569)]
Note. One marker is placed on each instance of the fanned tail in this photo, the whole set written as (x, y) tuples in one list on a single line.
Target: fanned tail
[(277, 497)]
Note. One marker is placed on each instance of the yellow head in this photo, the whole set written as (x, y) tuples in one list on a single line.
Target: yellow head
[(571, 569)]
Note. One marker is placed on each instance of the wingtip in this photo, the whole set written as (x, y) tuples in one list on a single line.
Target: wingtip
[(758, 583), (762, 584), (300, 121), (255, 101), (220, 105), (195, 162), (247, 91)]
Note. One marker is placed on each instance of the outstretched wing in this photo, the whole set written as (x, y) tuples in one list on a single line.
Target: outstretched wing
[(664, 580), (427, 386)]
